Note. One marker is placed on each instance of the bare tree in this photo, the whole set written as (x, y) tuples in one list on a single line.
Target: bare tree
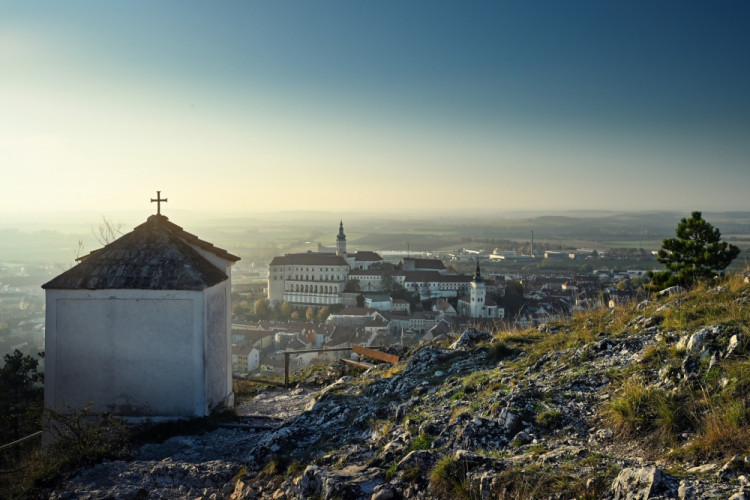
[(108, 231)]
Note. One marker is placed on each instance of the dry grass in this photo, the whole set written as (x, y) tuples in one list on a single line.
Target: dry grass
[(645, 412), (448, 480), (715, 411), (393, 370), (723, 430), (566, 481)]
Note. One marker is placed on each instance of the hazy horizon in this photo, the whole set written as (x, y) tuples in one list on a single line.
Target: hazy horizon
[(86, 221), (438, 108)]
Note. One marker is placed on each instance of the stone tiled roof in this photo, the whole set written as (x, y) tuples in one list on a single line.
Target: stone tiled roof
[(253, 334), (442, 327), (457, 278), (427, 263), (154, 256), (309, 259), (194, 240), (423, 276), (375, 323), (367, 256), (356, 311)]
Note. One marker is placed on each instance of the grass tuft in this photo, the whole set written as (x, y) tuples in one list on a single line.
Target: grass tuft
[(449, 480), (642, 411)]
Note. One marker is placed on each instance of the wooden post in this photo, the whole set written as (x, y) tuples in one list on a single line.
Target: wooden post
[(286, 370), (303, 351)]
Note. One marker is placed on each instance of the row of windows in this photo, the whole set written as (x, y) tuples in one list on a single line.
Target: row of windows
[(308, 277), (300, 269), (312, 288)]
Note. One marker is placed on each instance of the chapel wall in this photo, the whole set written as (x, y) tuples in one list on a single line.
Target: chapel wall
[(218, 346), (130, 352)]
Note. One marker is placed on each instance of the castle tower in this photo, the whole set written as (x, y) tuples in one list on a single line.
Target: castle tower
[(341, 241), (477, 294)]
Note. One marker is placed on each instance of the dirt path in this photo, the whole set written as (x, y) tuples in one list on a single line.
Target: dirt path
[(277, 403), (194, 466)]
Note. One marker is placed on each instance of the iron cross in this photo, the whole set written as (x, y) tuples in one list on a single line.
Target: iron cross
[(158, 201)]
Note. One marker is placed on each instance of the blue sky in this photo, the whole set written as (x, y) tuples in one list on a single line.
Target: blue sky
[(433, 107)]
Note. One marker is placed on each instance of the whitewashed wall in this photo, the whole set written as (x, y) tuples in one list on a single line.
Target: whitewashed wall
[(218, 346), (134, 352)]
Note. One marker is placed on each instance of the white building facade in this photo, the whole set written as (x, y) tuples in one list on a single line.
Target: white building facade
[(316, 278), (477, 304)]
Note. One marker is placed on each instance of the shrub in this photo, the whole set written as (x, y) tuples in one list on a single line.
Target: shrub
[(549, 419), (448, 479), (421, 442), (84, 437)]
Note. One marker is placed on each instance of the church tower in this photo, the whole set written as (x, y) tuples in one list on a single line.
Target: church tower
[(478, 294), (341, 241)]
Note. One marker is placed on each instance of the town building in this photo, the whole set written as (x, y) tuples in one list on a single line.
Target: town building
[(320, 279), (477, 304)]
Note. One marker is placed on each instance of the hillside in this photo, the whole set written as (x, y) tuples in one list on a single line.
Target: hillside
[(649, 400)]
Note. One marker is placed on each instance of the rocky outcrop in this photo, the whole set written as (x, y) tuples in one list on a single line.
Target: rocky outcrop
[(642, 483), (350, 483), (474, 417)]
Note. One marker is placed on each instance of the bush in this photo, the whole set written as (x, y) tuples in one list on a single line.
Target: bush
[(549, 419), (84, 437), (449, 479)]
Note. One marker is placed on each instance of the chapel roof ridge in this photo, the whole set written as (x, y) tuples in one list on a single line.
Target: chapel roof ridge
[(155, 255)]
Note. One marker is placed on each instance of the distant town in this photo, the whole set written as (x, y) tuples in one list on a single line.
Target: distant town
[(326, 294), (334, 298)]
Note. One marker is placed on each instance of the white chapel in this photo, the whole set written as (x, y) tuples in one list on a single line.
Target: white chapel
[(142, 326)]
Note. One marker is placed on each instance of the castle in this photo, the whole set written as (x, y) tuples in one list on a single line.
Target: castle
[(319, 279)]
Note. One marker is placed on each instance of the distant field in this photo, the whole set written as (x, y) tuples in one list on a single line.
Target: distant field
[(646, 244), (257, 238)]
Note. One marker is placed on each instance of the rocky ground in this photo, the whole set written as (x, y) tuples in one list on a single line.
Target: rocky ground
[(515, 415), (199, 465)]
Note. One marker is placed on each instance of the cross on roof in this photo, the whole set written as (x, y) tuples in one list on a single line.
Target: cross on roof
[(158, 201)]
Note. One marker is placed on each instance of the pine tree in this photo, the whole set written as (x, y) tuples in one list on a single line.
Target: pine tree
[(21, 395), (696, 254)]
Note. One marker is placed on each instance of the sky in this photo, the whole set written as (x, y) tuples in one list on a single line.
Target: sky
[(394, 106)]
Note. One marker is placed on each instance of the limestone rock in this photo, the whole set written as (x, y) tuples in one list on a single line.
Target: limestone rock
[(422, 460), (640, 484), (470, 338), (672, 290), (350, 483), (386, 492)]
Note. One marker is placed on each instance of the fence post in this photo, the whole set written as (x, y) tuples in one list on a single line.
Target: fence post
[(286, 370)]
